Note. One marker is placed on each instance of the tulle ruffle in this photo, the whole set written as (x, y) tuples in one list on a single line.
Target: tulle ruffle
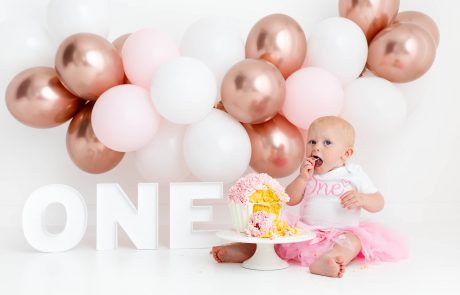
[(378, 243)]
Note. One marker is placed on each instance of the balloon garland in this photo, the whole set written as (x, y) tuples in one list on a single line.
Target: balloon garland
[(215, 105)]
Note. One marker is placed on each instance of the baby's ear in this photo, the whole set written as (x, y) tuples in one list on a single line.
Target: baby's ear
[(348, 153)]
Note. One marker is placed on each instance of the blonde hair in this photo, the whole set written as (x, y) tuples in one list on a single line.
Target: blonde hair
[(345, 128)]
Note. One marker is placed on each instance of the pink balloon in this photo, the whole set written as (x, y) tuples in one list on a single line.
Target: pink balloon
[(143, 52), (312, 93), (124, 118)]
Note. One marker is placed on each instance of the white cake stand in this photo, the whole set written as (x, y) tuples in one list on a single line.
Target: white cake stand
[(265, 257)]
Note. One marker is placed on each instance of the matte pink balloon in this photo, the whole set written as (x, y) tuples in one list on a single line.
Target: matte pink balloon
[(312, 93), (124, 118), (143, 52)]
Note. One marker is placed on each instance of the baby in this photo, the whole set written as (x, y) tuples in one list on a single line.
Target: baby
[(331, 194)]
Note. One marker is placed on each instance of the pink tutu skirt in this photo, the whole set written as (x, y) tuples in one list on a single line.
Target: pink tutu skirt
[(377, 243)]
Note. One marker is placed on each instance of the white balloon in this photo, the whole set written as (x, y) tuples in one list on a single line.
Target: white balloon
[(162, 160), (217, 148), (374, 106), (68, 17), (216, 42), (184, 90), (338, 45), (25, 44)]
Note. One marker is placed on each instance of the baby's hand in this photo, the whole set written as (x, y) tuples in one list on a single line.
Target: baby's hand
[(352, 199), (307, 168)]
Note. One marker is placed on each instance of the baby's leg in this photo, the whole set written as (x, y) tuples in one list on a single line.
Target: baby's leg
[(236, 252), (332, 263)]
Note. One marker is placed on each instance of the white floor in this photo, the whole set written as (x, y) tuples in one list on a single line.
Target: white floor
[(432, 269)]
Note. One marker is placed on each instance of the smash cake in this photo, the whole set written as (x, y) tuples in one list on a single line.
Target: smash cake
[(255, 203)]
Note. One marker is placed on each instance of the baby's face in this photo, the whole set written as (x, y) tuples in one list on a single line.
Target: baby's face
[(328, 144)]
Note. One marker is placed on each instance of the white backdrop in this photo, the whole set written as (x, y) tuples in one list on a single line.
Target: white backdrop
[(415, 169)]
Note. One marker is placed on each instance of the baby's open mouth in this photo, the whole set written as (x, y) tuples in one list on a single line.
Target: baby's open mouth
[(318, 161)]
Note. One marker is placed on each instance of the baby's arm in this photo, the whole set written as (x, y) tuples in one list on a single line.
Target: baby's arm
[(370, 202), (296, 188)]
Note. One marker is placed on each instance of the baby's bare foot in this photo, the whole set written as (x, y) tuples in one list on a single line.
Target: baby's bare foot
[(215, 252), (235, 253), (329, 266)]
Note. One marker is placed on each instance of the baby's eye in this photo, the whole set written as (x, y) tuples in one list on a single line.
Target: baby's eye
[(311, 141), (327, 142)]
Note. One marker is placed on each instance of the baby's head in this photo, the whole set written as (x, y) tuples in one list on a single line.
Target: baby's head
[(330, 140)]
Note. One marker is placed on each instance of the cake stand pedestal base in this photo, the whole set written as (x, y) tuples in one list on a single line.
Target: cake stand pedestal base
[(265, 257)]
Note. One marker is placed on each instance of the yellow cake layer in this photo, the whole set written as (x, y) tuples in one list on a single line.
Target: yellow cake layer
[(264, 196), (270, 208), (282, 228), (265, 200)]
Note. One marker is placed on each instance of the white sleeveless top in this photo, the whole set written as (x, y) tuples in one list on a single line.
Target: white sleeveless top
[(321, 207)]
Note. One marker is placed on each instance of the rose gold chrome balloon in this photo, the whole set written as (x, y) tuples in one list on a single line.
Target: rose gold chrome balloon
[(253, 91), (85, 150), (371, 15), (37, 98), (119, 42), (401, 53), (277, 147), (88, 65), (420, 19), (279, 39)]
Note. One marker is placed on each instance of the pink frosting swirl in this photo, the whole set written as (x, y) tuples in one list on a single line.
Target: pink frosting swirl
[(260, 223), (247, 185)]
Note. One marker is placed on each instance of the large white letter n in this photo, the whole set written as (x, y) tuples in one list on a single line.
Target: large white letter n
[(114, 208)]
